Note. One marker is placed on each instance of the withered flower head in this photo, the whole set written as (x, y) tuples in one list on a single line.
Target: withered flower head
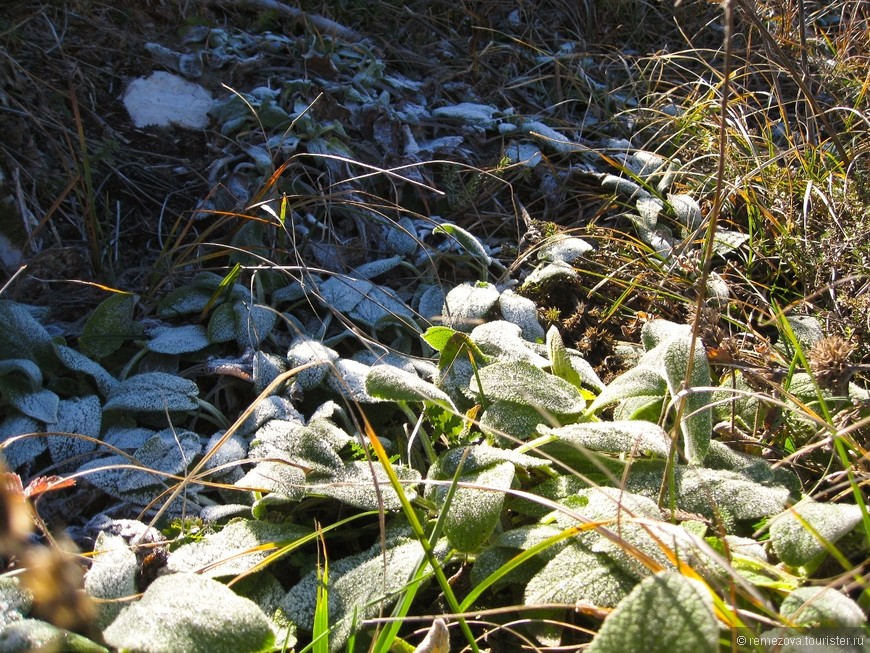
[(829, 363)]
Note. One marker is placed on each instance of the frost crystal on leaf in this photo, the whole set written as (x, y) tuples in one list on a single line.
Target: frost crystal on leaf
[(170, 618)]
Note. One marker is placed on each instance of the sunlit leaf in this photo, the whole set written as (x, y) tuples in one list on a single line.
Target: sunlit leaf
[(170, 618), (667, 613)]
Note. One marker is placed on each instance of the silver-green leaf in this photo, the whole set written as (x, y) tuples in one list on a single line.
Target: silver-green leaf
[(794, 541), (665, 613), (153, 392), (187, 612), (395, 384), (524, 383), (474, 513)]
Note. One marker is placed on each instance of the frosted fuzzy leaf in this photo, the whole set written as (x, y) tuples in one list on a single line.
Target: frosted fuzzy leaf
[(376, 268), (697, 421), (395, 384), (353, 485), (454, 379), (311, 446), (82, 416), (376, 358), (15, 601), (481, 115), (721, 456), (323, 430), (656, 332), (233, 450), (525, 537), (235, 549), (153, 392), (524, 383), (255, 323), (431, 302), (545, 275), (78, 362), (361, 586), (687, 210), (663, 368), (289, 293), (718, 291), (561, 247), (222, 325), (108, 326), (604, 504), (265, 590), (576, 575), (366, 303), (276, 438), (402, 237), (644, 164), (726, 241), (267, 367), (508, 418), (796, 545), (588, 376), (503, 340), (807, 329), (274, 407), (112, 575), (473, 514), (349, 380), (168, 451), (305, 350), (648, 211), (714, 493), (668, 613), (24, 450), (178, 340), (124, 437), (633, 437), (822, 607), (343, 293), (626, 188), (40, 404), (483, 456), (170, 617), (522, 312), (526, 154), (468, 241), (659, 240), (275, 477), (549, 137), (21, 334), (22, 371), (467, 305), (27, 635)]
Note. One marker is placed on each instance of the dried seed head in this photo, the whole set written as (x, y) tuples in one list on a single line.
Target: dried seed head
[(829, 363)]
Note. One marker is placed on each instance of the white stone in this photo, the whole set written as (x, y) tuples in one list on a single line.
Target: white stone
[(164, 99)]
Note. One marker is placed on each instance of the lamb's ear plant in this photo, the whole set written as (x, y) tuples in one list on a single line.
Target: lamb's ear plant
[(657, 379)]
